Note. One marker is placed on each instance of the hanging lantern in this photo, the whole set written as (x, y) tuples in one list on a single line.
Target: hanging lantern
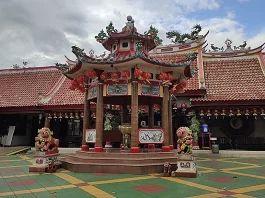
[(182, 83), (81, 89), (49, 116), (216, 113), (247, 113), (262, 113), (170, 77), (202, 113), (54, 116), (66, 115), (231, 112), (223, 113), (162, 76), (146, 75), (238, 112), (137, 73), (71, 115), (71, 87), (76, 115), (104, 76), (81, 79), (255, 113), (60, 115), (91, 73), (209, 114), (125, 74), (115, 75)]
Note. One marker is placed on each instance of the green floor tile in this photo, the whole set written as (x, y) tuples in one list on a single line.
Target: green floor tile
[(173, 189), (237, 181), (91, 177)]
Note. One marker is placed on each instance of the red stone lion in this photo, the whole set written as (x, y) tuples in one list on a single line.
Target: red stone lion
[(45, 142)]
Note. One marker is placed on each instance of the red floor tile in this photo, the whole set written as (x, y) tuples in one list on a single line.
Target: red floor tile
[(22, 182), (12, 170), (150, 188), (221, 179), (227, 193)]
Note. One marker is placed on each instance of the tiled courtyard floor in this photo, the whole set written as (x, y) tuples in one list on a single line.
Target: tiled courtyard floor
[(217, 177)]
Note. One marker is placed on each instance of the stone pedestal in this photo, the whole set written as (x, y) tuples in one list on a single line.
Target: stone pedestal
[(186, 166), (42, 160)]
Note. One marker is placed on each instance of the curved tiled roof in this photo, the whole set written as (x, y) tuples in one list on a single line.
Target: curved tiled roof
[(21, 87), (64, 96), (234, 79)]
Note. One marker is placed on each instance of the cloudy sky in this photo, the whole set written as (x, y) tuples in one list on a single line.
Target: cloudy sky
[(41, 32)]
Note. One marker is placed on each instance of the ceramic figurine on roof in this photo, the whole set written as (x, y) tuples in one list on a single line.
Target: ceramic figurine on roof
[(182, 38), (238, 50)]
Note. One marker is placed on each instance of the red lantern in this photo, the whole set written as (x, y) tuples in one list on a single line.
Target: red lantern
[(75, 83), (71, 87), (81, 89), (138, 73), (115, 75), (170, 77), (146, 75), (104, 76), (182, 83), (162, 76), (91, 73), (177, 88), (80, 79), (125, 74)]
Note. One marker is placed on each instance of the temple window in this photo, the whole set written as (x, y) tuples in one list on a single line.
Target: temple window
[(125, 44), (114, 47)]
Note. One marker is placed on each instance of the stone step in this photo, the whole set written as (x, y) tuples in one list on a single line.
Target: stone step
[(124, 160), (125, 155), (115, 168)]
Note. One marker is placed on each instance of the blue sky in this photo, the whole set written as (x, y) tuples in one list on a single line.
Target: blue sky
[(247, 12)]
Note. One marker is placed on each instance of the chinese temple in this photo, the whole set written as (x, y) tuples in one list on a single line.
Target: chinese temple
[(135, 87)]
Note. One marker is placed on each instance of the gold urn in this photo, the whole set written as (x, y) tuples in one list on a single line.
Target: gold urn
[(126, 128)]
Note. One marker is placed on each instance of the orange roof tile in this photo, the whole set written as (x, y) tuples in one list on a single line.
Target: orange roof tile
[(21, 87), (234, 79), (64, 96)]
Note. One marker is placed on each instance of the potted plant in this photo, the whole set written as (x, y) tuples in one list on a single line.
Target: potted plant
[(195, 128)]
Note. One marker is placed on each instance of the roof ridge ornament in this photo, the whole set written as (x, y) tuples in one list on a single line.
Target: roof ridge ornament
[(78, 52), (183, 38), (229, 49)]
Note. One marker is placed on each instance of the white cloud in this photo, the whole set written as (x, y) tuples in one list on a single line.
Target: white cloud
[(42, 32)]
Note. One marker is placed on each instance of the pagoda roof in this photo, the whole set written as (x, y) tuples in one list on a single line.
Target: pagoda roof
[(113, 36), (87, 63)]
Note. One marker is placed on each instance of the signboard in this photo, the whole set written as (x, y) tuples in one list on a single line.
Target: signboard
[(186, 166), (117, 89), (151, 136), (91, 136), (148, 89), (92, 92)]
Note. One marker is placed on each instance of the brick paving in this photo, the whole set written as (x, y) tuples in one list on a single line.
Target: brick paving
[(217, 177)]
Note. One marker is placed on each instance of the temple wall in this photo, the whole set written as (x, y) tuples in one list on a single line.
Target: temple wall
[(21, 140)]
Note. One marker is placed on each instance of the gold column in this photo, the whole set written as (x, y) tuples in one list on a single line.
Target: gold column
[(47, 123), (99, 118), (134, 118), (85, 119), (165, 123), (170, 135)]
